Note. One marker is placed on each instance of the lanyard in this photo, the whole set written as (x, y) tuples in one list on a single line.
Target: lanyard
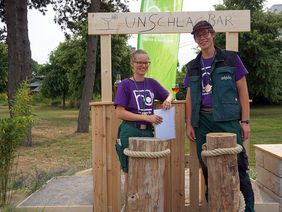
[(144, 99), (208, 87)]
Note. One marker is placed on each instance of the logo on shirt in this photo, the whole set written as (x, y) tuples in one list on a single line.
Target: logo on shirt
[(144, 100), (226, 77)]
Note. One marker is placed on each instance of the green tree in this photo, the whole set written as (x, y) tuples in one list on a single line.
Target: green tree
[(260, 50), (252, 5), (55, 83), (4, 67), (71, 15), (36, 68), (262, 53), (13, 14), (70, 59)]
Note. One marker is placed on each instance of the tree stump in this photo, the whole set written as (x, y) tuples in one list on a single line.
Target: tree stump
[(223, 178), (146, 176)]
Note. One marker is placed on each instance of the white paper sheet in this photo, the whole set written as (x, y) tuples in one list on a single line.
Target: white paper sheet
[(165, 130)]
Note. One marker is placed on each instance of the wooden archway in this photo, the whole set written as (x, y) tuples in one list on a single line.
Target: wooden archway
[(104, 122)]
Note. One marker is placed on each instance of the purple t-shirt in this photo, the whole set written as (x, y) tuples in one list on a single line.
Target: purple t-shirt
[(206, 102), (138, 97)]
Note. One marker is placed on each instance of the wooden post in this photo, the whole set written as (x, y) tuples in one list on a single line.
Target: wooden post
[(223, 179), (146, 176), (106, 68), (106, 167), (232, 41)]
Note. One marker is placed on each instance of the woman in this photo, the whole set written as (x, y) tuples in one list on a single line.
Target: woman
[(134, 103)]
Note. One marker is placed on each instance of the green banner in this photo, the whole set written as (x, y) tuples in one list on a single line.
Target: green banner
[(162, 48)]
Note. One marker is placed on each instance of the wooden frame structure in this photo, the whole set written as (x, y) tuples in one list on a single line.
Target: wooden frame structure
[(106, 168)]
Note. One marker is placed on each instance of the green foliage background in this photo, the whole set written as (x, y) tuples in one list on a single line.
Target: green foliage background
[(260, 50), (64, 76)]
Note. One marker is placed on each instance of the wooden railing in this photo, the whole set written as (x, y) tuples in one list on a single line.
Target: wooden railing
[(106, 167)]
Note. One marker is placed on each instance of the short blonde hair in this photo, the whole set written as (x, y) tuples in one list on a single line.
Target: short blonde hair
[(136, 52)]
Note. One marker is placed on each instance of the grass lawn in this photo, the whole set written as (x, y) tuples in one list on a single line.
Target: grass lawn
[(266, 127), (58, 150)]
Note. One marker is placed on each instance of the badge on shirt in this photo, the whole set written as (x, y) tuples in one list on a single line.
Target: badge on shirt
[(208, 88)]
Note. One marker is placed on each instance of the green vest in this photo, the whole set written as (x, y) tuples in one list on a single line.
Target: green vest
[(225, 101)]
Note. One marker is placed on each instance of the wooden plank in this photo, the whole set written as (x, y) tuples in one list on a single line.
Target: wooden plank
[(103, 149), (177, 160), (274, 196), (266, 206), (268, 162), (232, 41), (259, 157), (273, 164), (166, 22), (113, 165), (269, 180), (167, 181), (99, 159), (106, 68), (101, 103), (187, 163), (194, 179), (274, 149), (202, 189)]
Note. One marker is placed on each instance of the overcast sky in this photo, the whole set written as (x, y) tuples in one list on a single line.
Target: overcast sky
[(45, 35)]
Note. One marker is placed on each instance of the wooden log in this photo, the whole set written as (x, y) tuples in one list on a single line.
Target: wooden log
[(146, 176), (223, 178)]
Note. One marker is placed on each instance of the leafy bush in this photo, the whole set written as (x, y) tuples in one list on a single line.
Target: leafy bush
[(3, 98), (12, 132), (38, 99)]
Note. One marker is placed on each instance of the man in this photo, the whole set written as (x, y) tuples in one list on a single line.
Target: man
[(217, 100)]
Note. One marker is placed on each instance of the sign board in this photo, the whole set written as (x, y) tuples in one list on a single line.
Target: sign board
[(166, 22)]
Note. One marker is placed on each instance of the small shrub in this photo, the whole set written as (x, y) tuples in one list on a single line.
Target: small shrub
[(3, 98), (12, 132), (8, 208)]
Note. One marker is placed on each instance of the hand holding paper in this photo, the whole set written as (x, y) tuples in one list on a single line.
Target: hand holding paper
[(165, 130)]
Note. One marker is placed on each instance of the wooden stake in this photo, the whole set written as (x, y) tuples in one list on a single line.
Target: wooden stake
[(223, 179), (146, 177)]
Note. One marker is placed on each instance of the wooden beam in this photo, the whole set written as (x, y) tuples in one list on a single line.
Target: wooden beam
[(106, 68), (232, 41), (166, 22)]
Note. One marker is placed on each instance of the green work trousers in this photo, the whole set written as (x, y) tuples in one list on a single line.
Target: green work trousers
[(207, 125), (125, 132)]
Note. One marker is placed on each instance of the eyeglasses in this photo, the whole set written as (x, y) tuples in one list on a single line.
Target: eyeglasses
[(204, 34), (140, 63)]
